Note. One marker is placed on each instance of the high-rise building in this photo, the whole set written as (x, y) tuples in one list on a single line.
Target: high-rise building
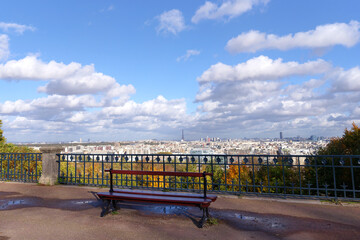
[(182, 136), (281, 136)]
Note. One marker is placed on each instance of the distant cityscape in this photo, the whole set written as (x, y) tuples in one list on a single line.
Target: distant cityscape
[(206, 145)]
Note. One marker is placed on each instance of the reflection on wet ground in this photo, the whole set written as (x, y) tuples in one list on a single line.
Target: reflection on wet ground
[(4, 204), (13, 203), (83, 202), (272, 222), (266, 221), (149, 208)]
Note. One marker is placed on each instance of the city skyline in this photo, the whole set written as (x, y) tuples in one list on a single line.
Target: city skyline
[(111, 71)]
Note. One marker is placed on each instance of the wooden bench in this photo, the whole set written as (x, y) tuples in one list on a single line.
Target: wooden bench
[(202, 201)]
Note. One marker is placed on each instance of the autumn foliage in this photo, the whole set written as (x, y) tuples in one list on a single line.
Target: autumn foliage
[(348, 144)]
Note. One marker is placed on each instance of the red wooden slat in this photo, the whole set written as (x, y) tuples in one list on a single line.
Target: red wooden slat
[(169, 194), (179, 174), (155, 199)]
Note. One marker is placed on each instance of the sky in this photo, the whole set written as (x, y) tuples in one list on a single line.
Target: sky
[(135, 70)]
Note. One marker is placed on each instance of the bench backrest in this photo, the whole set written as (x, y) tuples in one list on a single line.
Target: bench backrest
[(177, 174)]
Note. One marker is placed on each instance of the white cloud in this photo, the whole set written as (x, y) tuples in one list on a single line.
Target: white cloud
[(158, 107), (121, 91), (247, 104), (322, 36), (188, 54), (16, 27), (81, 100), (9, 107), (4, 47), (63, 79), (86, 114), (229, 8), (258, 96), (346, 80), (262, 68), (171, 22), (32, 68), (56, 102)]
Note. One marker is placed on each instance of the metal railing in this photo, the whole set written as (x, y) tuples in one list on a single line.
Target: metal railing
[(321, 177), (20, 167)]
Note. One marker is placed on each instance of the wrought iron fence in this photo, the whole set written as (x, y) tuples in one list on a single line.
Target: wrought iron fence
[(20, 167), (322, 177)]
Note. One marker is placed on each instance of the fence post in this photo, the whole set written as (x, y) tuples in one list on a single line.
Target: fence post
[(49, 175)]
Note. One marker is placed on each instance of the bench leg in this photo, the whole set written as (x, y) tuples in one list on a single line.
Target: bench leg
[(207, 213), (105, 208), (204, 217), (109, 204), (114, 203)]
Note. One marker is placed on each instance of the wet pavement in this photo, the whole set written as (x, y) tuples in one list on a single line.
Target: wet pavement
[(30, 211)]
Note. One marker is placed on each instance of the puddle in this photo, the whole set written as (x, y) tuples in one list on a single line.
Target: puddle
[(277, 225), (251, 221), (84, 202), (155, 208), (168, 209), (244, 217), (79, 204), (11, 203)]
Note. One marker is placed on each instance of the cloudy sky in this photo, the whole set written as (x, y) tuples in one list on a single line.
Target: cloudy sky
[(131, 70)]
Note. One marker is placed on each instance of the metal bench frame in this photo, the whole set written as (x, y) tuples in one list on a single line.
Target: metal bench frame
[(202, 201)]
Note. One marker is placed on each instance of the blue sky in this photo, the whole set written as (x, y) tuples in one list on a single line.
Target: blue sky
[(130, 70)]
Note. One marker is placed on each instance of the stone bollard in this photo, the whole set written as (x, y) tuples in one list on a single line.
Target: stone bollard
[(50, 167)]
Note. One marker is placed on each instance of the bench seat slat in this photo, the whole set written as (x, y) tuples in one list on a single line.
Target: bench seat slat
[(170, 194), (155, 199)]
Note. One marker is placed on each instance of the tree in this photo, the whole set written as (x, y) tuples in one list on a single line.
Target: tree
[(348, 144), (2, 138), (11, 148), (15, 163), (337, 170)]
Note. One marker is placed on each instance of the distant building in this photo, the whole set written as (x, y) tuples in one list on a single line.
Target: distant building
[(281, 135), (201, 151), (314, 138)]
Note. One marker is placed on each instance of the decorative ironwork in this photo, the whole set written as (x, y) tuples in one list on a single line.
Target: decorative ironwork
[(20, 167), (296, 175)]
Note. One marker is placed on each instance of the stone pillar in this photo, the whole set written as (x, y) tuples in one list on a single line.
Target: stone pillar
[(50, 167)]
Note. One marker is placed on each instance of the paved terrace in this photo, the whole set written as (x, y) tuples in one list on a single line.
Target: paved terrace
[(31, 211)]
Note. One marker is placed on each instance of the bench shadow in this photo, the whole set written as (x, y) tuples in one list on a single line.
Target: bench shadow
[(151, 208), (95, 195), (192, 218)]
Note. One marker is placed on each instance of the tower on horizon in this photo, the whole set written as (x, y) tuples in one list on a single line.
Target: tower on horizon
[(182, 135), (281, 136)]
